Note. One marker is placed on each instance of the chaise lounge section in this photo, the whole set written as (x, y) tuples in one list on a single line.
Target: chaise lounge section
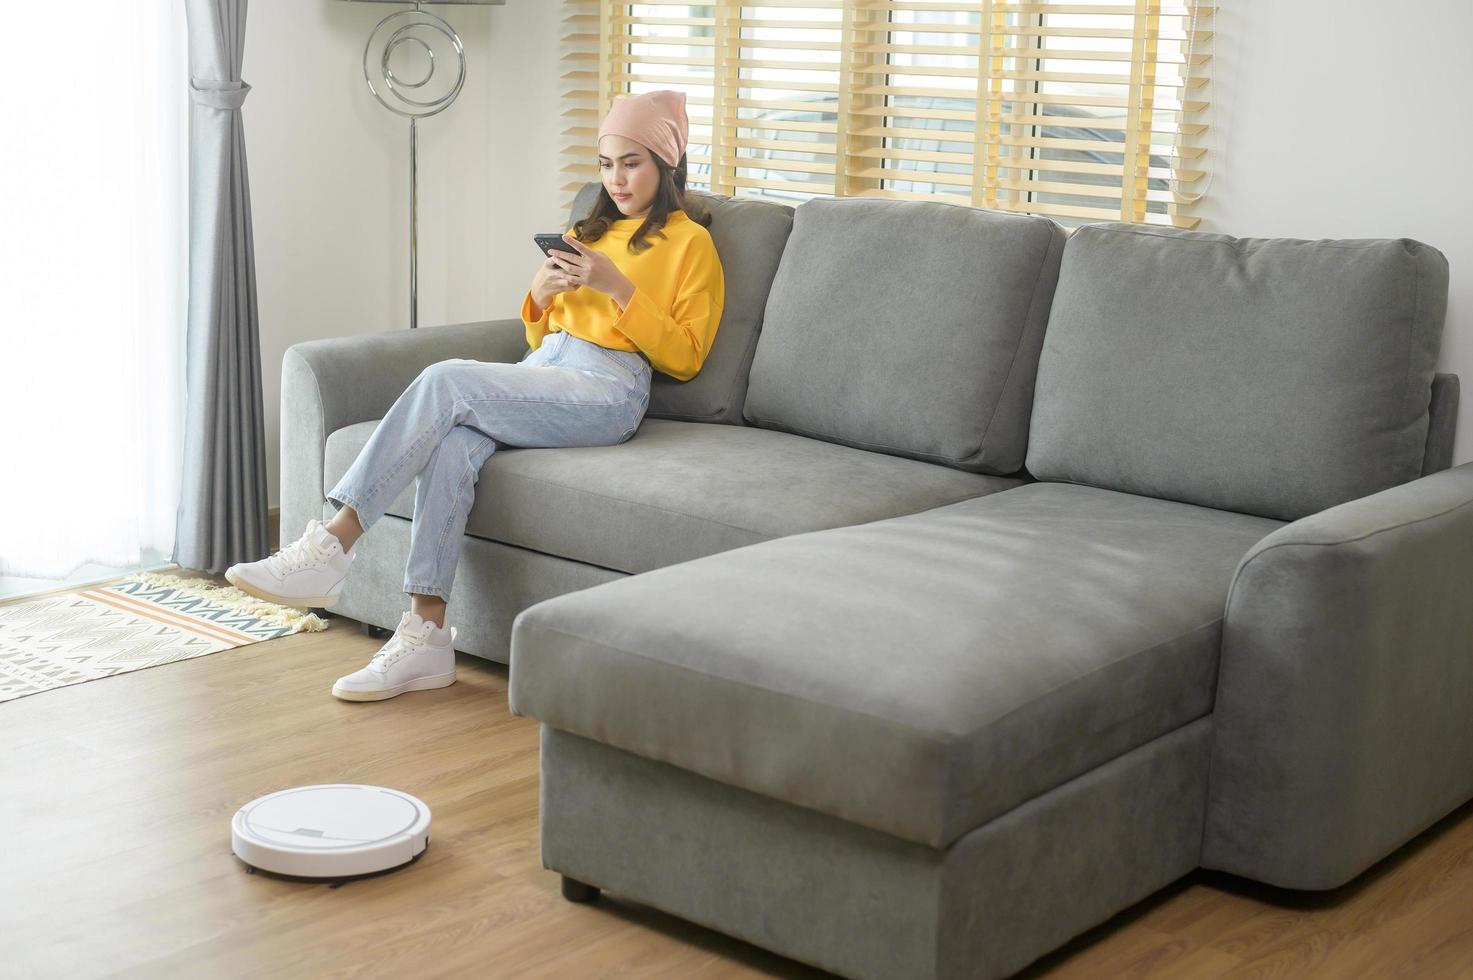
[(1229, 625)]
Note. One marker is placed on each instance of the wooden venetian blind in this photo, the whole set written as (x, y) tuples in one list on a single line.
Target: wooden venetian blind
[(1082, 111)]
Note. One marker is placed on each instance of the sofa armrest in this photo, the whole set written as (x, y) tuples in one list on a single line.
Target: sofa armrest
[(1345, 691), (1442, 424), (327, 384)]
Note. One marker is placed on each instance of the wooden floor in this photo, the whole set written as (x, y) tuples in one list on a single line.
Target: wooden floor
[(116, 798)]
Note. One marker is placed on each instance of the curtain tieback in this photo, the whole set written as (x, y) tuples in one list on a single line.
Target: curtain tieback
[(217, 94)]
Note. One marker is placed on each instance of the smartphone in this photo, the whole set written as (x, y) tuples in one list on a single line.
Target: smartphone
[(553, 241)]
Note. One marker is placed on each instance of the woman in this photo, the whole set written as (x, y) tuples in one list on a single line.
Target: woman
[(640, 289)]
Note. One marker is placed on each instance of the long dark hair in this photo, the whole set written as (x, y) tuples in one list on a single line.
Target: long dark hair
[(669, 196)]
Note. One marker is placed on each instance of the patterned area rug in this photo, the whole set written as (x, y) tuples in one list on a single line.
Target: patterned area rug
[(142, 621)]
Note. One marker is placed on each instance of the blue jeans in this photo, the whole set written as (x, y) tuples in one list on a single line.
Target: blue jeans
[(448, 422)]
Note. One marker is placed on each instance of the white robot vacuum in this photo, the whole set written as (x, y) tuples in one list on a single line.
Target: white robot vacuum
[(340, 830)]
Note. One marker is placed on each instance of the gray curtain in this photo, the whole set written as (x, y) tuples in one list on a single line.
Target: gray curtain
[(222, 501)]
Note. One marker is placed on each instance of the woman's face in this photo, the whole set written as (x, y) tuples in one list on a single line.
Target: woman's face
[(628, 170)]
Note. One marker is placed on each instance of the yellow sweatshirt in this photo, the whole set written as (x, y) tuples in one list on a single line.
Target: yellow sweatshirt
[(679, 293)]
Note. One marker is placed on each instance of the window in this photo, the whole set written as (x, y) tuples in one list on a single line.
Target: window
[(94, 283), (1082, 111)]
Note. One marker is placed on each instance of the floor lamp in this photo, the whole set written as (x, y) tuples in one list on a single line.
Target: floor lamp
[(410, 97)]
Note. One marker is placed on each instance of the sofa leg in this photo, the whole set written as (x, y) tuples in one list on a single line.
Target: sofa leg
[(377, 632), (321, 613), (576, 891)]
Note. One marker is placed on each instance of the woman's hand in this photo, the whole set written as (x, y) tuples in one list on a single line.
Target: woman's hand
[(592, 268), (550, 280)]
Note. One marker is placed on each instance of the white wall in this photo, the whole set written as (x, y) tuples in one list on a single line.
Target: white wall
[(1330, 125), (1348, 119), (329, 173)]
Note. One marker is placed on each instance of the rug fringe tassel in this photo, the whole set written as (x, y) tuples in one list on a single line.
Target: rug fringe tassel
[(296, 620)]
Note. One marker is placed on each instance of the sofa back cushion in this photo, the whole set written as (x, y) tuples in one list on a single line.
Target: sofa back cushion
[(907, 327), (1275, 377), (749, 237)]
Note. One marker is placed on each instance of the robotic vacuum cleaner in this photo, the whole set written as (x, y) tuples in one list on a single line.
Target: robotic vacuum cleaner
[(340, 830)]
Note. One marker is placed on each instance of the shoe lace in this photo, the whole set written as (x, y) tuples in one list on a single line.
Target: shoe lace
[(299, 554), (403, 642)]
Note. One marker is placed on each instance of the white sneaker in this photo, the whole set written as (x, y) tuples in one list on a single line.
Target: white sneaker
[(308, 572), (418, 657)]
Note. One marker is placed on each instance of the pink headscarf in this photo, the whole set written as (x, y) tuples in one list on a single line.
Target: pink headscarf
[(656, 120)]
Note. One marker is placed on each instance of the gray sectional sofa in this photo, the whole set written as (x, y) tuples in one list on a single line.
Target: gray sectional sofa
[(986, 580)]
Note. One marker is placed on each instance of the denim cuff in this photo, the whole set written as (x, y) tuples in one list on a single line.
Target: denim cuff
[(439, 593), (365, 519)]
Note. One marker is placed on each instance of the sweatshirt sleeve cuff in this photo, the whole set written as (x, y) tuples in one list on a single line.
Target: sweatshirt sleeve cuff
[(529, 307), (535, 327), (641, 321)]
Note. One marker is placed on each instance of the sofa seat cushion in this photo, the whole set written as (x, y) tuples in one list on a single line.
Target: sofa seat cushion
[(680, 490), (919, 675)]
